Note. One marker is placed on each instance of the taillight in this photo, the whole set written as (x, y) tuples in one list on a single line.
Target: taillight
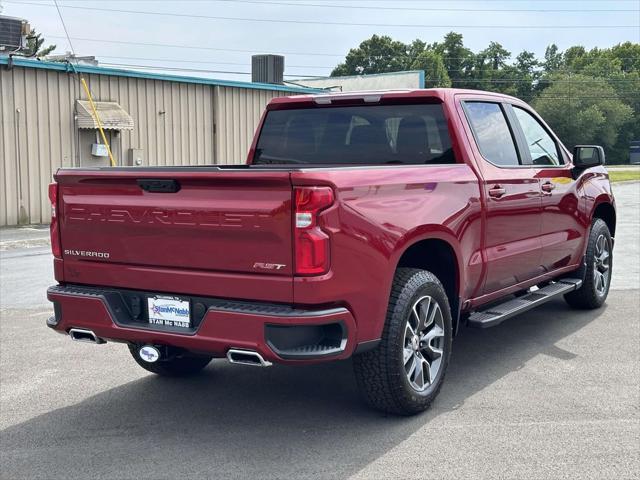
[(53, 227), (311, 243)]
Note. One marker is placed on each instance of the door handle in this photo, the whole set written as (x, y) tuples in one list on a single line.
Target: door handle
[(497, 191), (153, 185), (548, 187)]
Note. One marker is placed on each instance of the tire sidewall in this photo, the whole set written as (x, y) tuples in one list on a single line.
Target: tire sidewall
[(401, 315), (599, 228)]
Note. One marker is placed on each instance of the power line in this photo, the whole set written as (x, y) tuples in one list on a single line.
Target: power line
[(587, 97), (370, 1), (430, 9), (319, 22), (426, 9), (479, 80), (543, 80), (64, 26), (618, 95), (236, 50), (194, 47), (454, 81), (204, 62), (182, 60), (196, 70)]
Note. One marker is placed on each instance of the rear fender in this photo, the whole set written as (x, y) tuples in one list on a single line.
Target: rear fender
[(439, 233)]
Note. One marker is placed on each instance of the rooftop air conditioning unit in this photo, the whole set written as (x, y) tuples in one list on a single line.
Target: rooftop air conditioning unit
[(13, 34), (267, 69)]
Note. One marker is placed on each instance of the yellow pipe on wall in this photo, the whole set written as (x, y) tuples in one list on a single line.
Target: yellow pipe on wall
[(97, 118)]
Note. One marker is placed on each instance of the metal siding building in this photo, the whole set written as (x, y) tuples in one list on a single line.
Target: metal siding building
[(233, 138), (177, 121)]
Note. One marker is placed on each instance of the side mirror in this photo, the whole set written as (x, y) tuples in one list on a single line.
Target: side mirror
[(585, 156)]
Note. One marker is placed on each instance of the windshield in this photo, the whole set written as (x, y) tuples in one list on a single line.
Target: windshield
[(374, 134)]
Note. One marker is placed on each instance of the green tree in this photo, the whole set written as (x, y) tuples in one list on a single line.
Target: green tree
[(587, 95), (457, 58), (379, 54), (489, 71), (496, 55), (629, 55), (575, 58), (34, 45), (435, 73), (526, 62), (584, 110), (414, 49), (619, 66), (552, 59), (525, 75)]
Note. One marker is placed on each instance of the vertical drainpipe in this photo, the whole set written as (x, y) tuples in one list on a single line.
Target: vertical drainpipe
[(22, 212)]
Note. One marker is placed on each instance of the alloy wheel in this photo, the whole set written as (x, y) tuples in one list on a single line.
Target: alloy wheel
[(601, 265), (423, 343)]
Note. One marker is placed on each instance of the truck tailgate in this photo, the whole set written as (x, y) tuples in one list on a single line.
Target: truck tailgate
[(216, 221)]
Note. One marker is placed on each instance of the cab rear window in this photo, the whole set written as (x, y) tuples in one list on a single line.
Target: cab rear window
[(374, 134)]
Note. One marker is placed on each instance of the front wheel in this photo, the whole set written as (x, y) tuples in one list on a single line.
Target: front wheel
[(599, 262), (404, 373)]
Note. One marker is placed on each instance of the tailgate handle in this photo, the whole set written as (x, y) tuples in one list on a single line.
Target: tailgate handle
[(154, 185)]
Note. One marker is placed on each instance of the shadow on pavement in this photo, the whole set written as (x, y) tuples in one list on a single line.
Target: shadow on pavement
[(291, 422)]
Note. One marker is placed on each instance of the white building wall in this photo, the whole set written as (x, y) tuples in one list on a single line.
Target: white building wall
[(410, 80)]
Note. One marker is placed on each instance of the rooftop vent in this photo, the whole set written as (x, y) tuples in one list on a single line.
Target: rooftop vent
[(73, 58), (13, 34), (267, 69)]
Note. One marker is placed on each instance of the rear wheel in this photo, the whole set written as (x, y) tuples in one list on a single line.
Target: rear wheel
[(404, 373), (176, 365), (599, 262)]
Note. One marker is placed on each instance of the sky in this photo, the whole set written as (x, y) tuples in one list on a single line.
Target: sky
[(314, 38)]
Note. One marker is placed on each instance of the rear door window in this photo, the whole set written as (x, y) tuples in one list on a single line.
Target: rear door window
[(374, 134), (491, 131)]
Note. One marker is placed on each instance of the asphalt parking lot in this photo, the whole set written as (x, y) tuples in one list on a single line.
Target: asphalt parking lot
[(552, 394)]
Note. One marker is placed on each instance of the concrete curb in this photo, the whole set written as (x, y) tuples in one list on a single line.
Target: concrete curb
[(31, 243)]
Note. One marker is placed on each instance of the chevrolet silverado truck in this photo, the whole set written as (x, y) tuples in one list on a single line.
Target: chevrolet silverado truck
[(368, 225)]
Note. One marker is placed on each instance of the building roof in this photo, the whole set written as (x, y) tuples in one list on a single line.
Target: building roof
[(65, 67), (112, 116)]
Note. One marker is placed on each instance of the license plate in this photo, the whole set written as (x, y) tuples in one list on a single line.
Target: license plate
[(169, 311)]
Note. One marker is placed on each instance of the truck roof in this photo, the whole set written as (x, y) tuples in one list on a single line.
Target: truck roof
[(374, 96)]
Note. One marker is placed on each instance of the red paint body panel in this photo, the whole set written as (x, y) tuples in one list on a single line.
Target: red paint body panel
[(218, 332), (379, 213), (209, 224), (208, 238)]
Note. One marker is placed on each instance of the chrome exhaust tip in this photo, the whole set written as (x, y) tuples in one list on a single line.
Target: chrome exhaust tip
[(83, 335), (247, 357)]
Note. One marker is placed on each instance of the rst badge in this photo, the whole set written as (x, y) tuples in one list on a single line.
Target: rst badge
[(268, 266)]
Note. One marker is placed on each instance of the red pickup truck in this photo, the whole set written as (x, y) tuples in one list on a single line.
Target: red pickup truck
[(368, 225)]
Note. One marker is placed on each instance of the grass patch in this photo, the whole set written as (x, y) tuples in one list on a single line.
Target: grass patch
[(624, 175)]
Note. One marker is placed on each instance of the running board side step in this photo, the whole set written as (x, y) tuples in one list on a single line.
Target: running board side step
[(497, 314)]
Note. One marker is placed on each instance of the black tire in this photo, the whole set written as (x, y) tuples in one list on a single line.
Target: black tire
[(589, 296), (180, 365), (382, 373)]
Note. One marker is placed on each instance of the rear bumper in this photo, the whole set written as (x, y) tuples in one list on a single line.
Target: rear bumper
[(279, 333)]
